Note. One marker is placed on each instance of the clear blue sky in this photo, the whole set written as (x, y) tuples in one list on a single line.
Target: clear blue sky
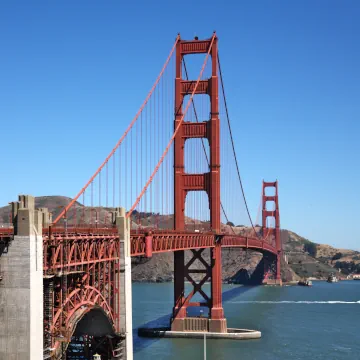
[(73, 73)]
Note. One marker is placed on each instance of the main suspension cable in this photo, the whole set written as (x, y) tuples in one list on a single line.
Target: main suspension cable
[(233, 146)]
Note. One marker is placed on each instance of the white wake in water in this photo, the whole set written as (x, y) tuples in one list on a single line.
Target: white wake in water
[(295, 302)]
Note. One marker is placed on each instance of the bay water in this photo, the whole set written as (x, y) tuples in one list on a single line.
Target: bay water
[(319, 322)]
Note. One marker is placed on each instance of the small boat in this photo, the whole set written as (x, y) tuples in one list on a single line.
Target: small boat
[(332, 278), (305, 282)]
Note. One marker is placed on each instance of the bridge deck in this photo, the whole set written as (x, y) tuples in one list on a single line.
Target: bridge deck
[(161, 241)]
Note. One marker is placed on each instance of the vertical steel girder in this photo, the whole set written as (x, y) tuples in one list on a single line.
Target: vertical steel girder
[(270, 232), (208, 182)]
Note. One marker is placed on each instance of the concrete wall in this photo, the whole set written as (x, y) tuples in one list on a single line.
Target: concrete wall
[(123, 225), (21, 290), (15, 302)]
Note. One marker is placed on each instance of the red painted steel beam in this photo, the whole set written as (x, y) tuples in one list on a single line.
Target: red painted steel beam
[(196, 130), (196, 182), (188, 86), (162, 241), (194, 46), (269, 184)]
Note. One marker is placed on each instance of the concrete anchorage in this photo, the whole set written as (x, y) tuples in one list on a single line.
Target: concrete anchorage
[(21, 291)]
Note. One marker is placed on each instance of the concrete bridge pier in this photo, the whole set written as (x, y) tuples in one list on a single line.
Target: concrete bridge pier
[(124, 349), (21, 290), (215, 325)]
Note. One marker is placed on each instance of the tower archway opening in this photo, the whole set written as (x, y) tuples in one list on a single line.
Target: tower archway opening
[(197, 213), (94, 334)]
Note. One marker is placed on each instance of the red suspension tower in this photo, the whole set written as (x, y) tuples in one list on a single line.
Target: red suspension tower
[(208, 182), (272, 232)]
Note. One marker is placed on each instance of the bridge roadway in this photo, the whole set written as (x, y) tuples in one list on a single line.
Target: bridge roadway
[(92, 245)]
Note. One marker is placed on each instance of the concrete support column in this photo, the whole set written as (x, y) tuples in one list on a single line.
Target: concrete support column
[(46, 217), (125, 287), (21, 292)]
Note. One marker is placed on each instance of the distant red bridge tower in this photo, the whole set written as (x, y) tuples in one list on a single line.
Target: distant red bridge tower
[(270, 232)]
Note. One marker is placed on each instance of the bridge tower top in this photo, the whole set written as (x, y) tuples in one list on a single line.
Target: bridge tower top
[(267, 198), (206, 128)]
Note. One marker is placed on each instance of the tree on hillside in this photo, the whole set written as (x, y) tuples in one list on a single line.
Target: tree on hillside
[(337, 256), (348, 267), (310, 248), (230, 223)]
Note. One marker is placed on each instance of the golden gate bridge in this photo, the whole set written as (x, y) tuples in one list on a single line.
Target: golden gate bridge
[(179, 188)]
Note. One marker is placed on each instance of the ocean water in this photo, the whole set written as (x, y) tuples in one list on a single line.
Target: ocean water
[(322, 322)]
